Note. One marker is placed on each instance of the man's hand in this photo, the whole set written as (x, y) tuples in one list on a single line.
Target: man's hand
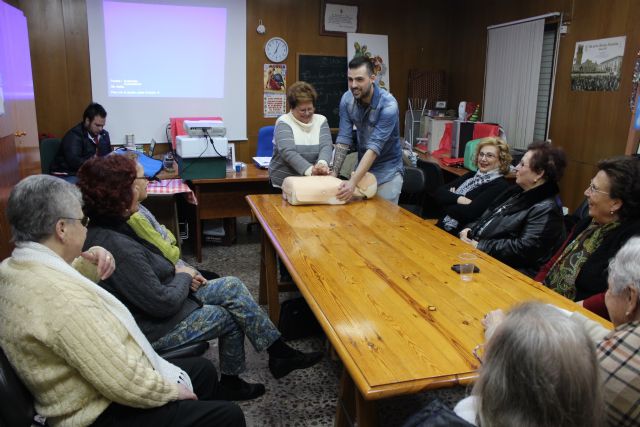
[(185, 394), (320, 169), (345, 191), (103, 259)]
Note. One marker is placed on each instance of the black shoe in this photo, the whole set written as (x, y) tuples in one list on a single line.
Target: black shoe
[(238, 389), (281, 366)]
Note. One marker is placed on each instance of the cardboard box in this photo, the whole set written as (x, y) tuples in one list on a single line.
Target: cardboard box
[(202, 168)]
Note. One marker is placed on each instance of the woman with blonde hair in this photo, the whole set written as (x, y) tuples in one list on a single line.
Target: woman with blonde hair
[(302, 138), (466, 198)]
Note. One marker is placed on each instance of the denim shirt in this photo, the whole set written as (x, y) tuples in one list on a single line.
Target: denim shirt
[(378, 129)]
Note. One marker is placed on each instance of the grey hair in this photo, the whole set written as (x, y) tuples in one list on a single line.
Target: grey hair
[(35, 205), (624, 269), (540, 370)]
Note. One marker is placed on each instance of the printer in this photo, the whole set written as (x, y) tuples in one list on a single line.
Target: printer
[(205, 138)]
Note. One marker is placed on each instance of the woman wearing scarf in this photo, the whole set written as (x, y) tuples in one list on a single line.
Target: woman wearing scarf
[(75, 346), (524, 226), (579, 269), (175, 305), (465, 199), (302, 139)]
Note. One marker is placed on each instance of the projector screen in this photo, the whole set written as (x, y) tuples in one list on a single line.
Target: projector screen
[(156, 59)]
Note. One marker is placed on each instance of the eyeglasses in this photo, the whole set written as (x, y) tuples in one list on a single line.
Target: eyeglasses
[(487, 156), (593, 189), (84, 220), (146, 178)]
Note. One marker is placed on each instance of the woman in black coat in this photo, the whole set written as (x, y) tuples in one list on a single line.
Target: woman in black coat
[(524, 226), (465, 199)]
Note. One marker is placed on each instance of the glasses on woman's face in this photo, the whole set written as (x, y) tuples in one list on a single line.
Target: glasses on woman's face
[(488, 156), (593, 189), (84, 220)]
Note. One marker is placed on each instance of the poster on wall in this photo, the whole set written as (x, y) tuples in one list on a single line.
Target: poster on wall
[(376, 48), (597, 64), (275, 78), (274, 105)]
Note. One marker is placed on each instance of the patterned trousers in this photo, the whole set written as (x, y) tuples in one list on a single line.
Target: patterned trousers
[(229, 313)]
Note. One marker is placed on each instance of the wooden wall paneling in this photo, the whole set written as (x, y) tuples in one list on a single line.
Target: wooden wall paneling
[(76, 44), (588, 125), (418, 38), (48, 62)]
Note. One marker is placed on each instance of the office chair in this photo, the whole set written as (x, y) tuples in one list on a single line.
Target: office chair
[(16, 401), (433, 179), (265, 142), (413, 186), (48, 149)]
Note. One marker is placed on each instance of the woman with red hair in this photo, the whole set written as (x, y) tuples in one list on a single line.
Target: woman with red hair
[(175, 305)]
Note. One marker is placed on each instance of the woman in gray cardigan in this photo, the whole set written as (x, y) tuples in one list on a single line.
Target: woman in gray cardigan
[(302, 138)]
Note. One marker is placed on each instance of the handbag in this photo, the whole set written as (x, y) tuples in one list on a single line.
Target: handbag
[(297, 320)]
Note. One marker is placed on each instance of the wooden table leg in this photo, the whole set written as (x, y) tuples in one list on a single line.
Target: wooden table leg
[(198, 236), (271, 278), (229, 225), (262, 289), (366, 415), (345, 410)]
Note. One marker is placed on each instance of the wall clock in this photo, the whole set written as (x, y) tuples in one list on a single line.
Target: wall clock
[(276, 49)]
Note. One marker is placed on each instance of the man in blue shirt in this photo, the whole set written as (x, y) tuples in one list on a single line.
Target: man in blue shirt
[(374, 112)]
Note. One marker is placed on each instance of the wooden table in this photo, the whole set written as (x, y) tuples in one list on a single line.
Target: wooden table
[(379, 281), (225, 198)]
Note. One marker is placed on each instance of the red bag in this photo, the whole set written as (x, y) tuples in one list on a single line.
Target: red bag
[(444, 148)]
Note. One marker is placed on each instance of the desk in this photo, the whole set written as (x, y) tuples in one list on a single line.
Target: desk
[(225, 198), (378, 280)]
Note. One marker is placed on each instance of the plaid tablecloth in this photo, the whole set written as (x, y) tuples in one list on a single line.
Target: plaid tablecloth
[(172, 186)]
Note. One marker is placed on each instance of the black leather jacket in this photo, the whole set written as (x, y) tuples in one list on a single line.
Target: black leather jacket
[(522, 228)]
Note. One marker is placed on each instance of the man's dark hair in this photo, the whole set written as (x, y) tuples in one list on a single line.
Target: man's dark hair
[(94, 109), (359, 61)]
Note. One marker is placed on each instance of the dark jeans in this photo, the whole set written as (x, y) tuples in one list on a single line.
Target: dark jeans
[(182, 413)]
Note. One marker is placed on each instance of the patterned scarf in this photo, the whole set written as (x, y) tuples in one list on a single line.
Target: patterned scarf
[(479, 179), (562, 276)]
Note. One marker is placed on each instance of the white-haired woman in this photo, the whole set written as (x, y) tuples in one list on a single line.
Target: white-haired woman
[(75, 346), (618, 351), (538, 369)]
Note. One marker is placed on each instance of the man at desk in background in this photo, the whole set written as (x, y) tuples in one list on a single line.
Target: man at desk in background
[(83, 141), (374, 112)]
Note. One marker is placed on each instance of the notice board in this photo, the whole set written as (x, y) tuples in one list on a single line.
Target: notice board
[(328, 75)]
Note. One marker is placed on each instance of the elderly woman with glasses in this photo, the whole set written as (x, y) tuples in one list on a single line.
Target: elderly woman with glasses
[(465, 199), (175, 305), (524, 225), (579, 268), (76, 347), (302, 138)]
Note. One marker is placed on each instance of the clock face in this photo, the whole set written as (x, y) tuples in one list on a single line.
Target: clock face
[(276, 49)]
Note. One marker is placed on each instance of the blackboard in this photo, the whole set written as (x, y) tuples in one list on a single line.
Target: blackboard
[(328, 75)]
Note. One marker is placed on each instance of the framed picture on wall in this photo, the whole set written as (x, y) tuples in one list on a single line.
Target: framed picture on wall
[(338, 18)]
